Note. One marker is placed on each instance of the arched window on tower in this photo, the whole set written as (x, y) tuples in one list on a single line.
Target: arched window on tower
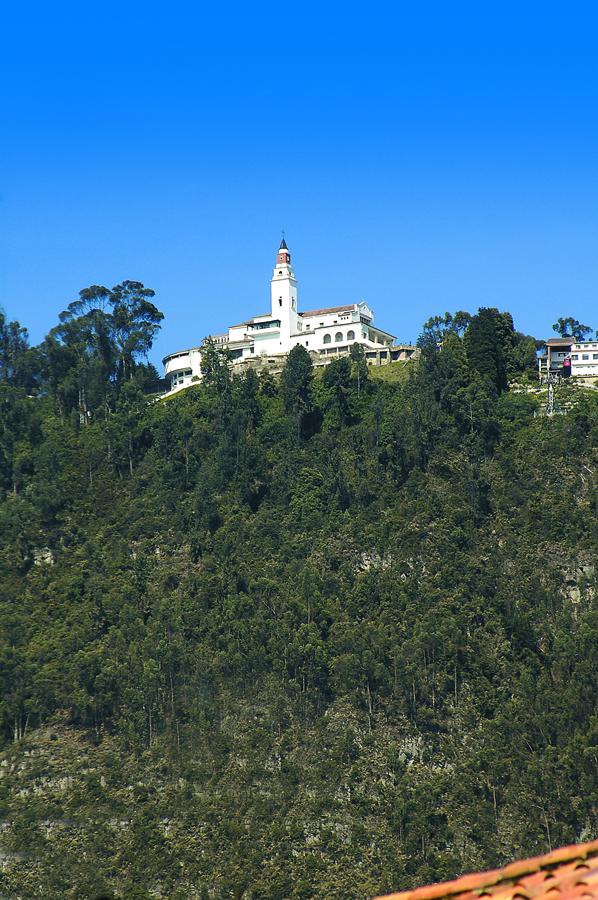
[(350, 335), (280, 301), (327, 339), (338, 337)]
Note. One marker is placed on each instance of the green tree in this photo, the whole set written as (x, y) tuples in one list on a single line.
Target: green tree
[(359, 367), (486, 341), (215, 366), (297, 378), (437, 327), (97, 346), (522, 357), (86, 333), (127, 429), (570, 327), (135, 323), (337, 378), (15, 356)]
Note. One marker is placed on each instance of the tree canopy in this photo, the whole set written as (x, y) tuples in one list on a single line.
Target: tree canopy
[(570, 327), (322, 635)]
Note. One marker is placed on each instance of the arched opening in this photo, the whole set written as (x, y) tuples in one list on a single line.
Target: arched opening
[(338, 337), (350, 335), (327, 338)]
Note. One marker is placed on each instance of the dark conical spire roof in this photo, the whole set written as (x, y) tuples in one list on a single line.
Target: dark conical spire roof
[(283, 245)]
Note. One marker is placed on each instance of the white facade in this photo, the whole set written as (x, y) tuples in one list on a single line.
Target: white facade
[(584, 358), (329, 331)]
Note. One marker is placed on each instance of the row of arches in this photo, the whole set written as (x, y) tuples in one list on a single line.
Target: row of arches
[(338, 337)]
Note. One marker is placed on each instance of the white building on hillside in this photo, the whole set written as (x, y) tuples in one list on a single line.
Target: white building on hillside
[(325, 333), (566, 356)]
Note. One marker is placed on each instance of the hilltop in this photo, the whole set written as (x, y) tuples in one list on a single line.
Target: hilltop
[(296, 637)]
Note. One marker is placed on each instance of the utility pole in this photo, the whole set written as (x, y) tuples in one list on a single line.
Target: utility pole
[(550, 403), (552, 406)]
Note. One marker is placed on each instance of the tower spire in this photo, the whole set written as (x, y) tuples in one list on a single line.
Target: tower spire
[(284, 290), (283, 257)]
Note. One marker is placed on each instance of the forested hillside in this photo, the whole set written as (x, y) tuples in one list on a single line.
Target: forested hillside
[(316, 636)]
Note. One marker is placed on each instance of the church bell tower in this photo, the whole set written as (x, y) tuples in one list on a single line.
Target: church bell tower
[(284, 293)]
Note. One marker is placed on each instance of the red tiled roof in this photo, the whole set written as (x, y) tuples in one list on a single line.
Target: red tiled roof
[(327, 309), (569, 873)]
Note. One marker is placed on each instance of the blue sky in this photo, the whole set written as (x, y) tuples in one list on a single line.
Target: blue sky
[(424, 157)]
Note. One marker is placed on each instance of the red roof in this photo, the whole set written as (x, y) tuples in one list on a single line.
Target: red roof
[(569, 873), (328, 309)]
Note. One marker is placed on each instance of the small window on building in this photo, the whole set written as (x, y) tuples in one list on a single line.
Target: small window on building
[(350, 335), (594, 355), (585, 355), (575, 356), (280, 301), (338, 336), (327, 338), (307, 343)]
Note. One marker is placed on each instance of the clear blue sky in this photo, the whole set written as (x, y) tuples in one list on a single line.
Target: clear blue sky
[(422, 156)]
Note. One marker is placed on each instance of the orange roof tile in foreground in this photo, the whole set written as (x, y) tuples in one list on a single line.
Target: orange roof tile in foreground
[(567, 873)]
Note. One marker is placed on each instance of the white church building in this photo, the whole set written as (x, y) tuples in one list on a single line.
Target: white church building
[(266, 339)]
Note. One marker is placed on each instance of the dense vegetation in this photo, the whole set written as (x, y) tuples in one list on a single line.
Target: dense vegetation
[(307, 637)]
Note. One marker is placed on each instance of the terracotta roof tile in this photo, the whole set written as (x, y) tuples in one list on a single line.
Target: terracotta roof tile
[(568, 873), (327, 309)]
